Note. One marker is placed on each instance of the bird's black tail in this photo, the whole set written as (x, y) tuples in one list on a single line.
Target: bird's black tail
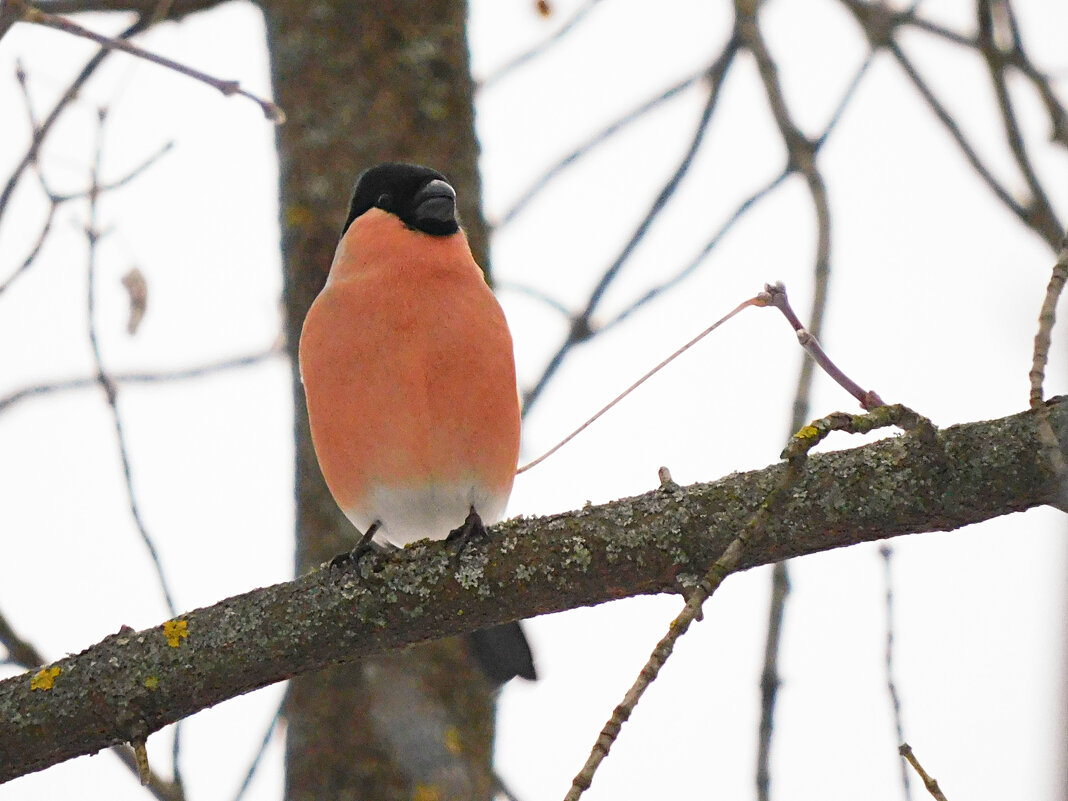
[(502, 652)]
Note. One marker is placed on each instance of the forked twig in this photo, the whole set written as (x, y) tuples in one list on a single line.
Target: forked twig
[(796, 454), (775, 295), (32, 14)]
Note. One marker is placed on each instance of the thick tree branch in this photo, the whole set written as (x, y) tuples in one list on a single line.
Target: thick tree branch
[(133, 683)]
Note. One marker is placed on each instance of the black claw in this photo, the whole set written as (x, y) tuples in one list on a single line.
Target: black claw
[(365, 545), (470, 529)]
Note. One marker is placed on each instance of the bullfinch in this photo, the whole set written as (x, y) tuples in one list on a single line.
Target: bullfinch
[(409, 374)]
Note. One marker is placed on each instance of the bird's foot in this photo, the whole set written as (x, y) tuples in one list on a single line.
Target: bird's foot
[(470, 529), (363, 547)]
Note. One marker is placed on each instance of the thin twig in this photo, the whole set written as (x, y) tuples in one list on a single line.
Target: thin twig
[(955, 132), (1018, 58), (35, 251), (796, 454), (118, 379), (775, 295), (41, 133), (532, 292), (53, 205), (769, 676), (740, 211), (607, 132), (928, 781), (886, 552), (1043, 218), (34, 15), (25, 655), (1043, 337), (1047, 316), (538, 49), (754, 301), (158, 9), (656, 291), (19, 651), (258, 758), (108, 186), (55, 200), (801, 157), (92, 233), (581, 328), (161, 788)]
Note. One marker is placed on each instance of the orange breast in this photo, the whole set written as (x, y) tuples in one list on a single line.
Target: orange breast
[(408, 369)]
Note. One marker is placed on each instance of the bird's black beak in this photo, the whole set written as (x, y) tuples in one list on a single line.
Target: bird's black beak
[(435, 206)]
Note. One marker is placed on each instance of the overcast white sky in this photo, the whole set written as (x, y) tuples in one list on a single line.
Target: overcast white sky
[(934, 295)]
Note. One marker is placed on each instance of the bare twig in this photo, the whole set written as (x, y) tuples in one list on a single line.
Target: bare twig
[(886, 552), (55, 200), (614, 127), (35, 251), (158, 9), (540, 48), (796, 454), (769, 676), (41, 133), (19, 651), (775, 295), (108, 186), (743, 208), (144, 772), (656, 291), (32, 14), (1017, 58), (1039, 359), (25, 655), (1043, 218), (532, 292), (932, 786), (581, 327), (958, 136), (118, 379), (92, 233), (801, 158), (754, 301), (161, 788), (1046, 318), (258, 758)]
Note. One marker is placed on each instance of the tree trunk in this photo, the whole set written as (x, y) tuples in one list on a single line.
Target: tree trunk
[(363, 83)]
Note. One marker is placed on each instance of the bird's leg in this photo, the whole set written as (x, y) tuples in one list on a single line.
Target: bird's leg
[(471, 527), (365, 544)]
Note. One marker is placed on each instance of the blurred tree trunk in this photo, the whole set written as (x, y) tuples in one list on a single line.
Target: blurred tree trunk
[(364, 83)]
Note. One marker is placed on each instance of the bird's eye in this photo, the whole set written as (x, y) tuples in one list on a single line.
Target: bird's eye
[(384, 200)]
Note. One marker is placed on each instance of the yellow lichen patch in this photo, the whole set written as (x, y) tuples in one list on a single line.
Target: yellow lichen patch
[(175, 631), (44, 678), (152, 682), (808, 432), (453, 741), (426, 792)]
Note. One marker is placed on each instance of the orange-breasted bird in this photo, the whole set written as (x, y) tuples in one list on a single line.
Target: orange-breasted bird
[(409, 374)]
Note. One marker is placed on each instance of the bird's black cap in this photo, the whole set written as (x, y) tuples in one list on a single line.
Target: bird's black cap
[(422, 198)]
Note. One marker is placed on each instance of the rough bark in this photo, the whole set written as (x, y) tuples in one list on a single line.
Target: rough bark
[(363, 83), (134, 683)]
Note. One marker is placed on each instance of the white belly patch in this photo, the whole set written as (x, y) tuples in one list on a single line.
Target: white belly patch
[(407, 514)]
